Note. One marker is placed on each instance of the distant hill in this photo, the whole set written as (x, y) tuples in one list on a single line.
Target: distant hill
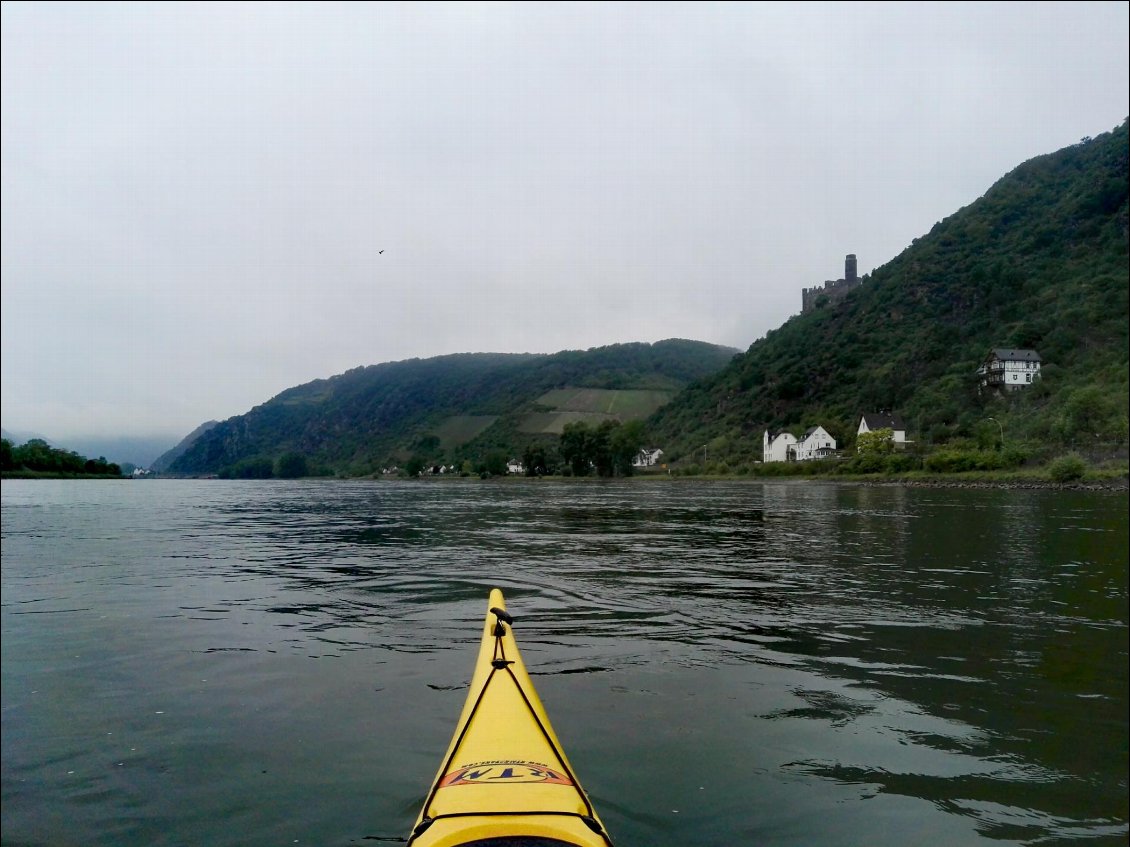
[(451, 408), (133, 450), (18, 438), (166, 459), (1040, 261)]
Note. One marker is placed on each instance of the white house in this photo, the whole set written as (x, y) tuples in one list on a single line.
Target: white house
[(778, 447), (872, 421), (647, 458), (816, 443), (515, 466), (1009, 369)]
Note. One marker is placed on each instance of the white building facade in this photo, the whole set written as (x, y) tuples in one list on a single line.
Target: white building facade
[(1009, 369), (647, 458), (884, 420), (778, 447), (816, 443)]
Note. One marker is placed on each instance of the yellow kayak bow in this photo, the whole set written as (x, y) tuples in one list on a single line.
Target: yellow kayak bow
[(505, 779)]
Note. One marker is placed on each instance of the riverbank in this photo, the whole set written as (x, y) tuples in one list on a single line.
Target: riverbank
[(1112, 484), (1095, 480), (24, 474)]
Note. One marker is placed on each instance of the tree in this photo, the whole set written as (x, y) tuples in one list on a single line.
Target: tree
[(574, 447), (534, 459), (291, 466), (1088, 414), (876, 441), (256, 467), (38, 455), (495, 463), (627, 441), (600, 447)]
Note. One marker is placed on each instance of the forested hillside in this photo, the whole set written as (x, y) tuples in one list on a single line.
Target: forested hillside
[(163, 462), (1040, 261), (38, 458), (445, 409)]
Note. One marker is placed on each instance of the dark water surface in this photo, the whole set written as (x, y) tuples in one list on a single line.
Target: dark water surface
[(726, 663)]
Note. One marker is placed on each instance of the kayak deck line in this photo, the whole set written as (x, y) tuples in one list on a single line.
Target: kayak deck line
[(513, 793)]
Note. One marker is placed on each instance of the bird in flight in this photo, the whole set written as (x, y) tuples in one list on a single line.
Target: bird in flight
[(379, 252)]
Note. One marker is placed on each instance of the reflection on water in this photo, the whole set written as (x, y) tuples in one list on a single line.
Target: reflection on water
[(727, 663)]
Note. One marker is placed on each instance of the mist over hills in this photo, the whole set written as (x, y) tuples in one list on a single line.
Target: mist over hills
[(133, 450)]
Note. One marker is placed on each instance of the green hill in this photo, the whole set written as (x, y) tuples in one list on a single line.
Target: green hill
[(447, 409), (1040, 261), (163, 462)]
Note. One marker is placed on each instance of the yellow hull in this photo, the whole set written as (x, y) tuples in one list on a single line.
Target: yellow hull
[(505, 774)]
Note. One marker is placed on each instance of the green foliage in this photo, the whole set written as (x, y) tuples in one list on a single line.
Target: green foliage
[(495, 463), (428, 443), (574, 447), (1039, 261), (961, 461), (536, 460), (1067, 468), (875, 462), (447, 409), (40, 457), (609, 447), (813, 468), (626, 441), (291, 466), (880, 440), (1090, 412), (598, 444), (253, 467)]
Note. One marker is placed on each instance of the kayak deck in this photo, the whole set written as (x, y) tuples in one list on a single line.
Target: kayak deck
[(505, 781)]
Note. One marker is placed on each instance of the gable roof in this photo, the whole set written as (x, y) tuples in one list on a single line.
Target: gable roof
[(883, 420), (1006, 354)]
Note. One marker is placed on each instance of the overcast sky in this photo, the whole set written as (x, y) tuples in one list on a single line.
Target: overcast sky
[(196, 197)]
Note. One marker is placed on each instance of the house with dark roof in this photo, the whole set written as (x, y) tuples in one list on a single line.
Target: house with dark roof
[(779, 446), (1005, 369), (871, 421), (816, 443), (783, 446), (647, 457)]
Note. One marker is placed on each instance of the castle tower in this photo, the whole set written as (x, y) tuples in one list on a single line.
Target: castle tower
[(849, 268)]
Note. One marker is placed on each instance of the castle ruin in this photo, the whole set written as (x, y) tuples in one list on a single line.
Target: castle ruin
[(834, 290)]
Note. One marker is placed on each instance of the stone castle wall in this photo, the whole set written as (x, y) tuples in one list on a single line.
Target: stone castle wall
[(834, 289)]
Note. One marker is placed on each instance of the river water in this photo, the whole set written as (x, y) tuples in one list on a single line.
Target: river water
[(787, 663)]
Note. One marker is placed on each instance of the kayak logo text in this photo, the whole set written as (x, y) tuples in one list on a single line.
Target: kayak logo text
[(504, 773)]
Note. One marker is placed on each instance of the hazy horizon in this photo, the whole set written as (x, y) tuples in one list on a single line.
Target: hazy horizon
[(205, 205)]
